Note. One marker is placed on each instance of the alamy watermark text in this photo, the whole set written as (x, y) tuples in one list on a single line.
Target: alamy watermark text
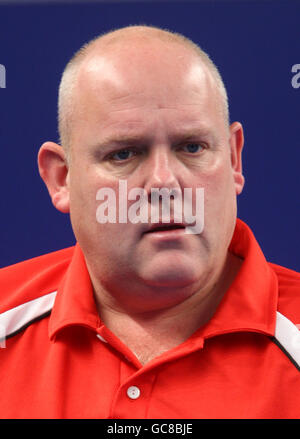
[(296, 78), (2, 76), (161, 205)]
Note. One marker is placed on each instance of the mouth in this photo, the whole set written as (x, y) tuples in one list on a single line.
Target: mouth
[(165, 228)]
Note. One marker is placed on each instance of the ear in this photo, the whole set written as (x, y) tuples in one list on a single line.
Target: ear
[(53, 170), (236, 145)]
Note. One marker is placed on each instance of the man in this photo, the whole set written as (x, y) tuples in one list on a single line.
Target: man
[(143, 319)]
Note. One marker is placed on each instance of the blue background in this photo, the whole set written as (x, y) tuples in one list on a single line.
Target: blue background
[(254, 44)]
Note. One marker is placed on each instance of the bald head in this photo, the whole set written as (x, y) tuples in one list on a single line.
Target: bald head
[(139, 46)]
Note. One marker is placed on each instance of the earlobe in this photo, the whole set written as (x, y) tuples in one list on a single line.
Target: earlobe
[(236, 147), (53, 170)]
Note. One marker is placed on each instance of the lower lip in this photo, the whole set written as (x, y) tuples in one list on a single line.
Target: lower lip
[(166, 234)]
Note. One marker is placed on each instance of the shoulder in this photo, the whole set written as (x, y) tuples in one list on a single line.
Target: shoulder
[(287, 335), (33, 278), (288, 291)]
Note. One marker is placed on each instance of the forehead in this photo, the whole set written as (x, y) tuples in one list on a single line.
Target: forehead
[(142, 64), (134, 82)]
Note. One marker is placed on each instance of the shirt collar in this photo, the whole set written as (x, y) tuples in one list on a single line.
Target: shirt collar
[(250, 303), (74, 303)]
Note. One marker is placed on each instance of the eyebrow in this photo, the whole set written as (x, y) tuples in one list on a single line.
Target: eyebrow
[(123, 139), (143, 140), (194, 134)]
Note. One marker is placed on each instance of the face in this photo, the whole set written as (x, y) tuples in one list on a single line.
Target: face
[(151, 117)]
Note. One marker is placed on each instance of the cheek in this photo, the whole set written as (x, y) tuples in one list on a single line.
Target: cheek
[(83, 204), (85, 182), (219, 193), (90, 195)]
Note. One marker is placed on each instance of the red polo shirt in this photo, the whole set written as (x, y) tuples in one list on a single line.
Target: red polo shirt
[(58, 360)]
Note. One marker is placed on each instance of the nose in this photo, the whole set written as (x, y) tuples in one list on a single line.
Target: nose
[(162, 169)]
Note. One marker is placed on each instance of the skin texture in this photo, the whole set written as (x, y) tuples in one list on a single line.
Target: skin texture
[(152, 108)]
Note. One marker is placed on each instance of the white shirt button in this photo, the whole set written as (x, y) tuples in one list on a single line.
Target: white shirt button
[(133, 392)]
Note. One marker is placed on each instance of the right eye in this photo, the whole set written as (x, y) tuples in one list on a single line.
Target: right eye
[(122, 155)]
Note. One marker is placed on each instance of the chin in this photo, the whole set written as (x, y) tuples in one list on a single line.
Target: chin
[(170, 275)]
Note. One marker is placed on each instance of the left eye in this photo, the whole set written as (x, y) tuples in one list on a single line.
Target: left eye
[(192, 148), (124, 154)]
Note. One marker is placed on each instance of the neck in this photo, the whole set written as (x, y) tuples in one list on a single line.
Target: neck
[(149, 333)]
